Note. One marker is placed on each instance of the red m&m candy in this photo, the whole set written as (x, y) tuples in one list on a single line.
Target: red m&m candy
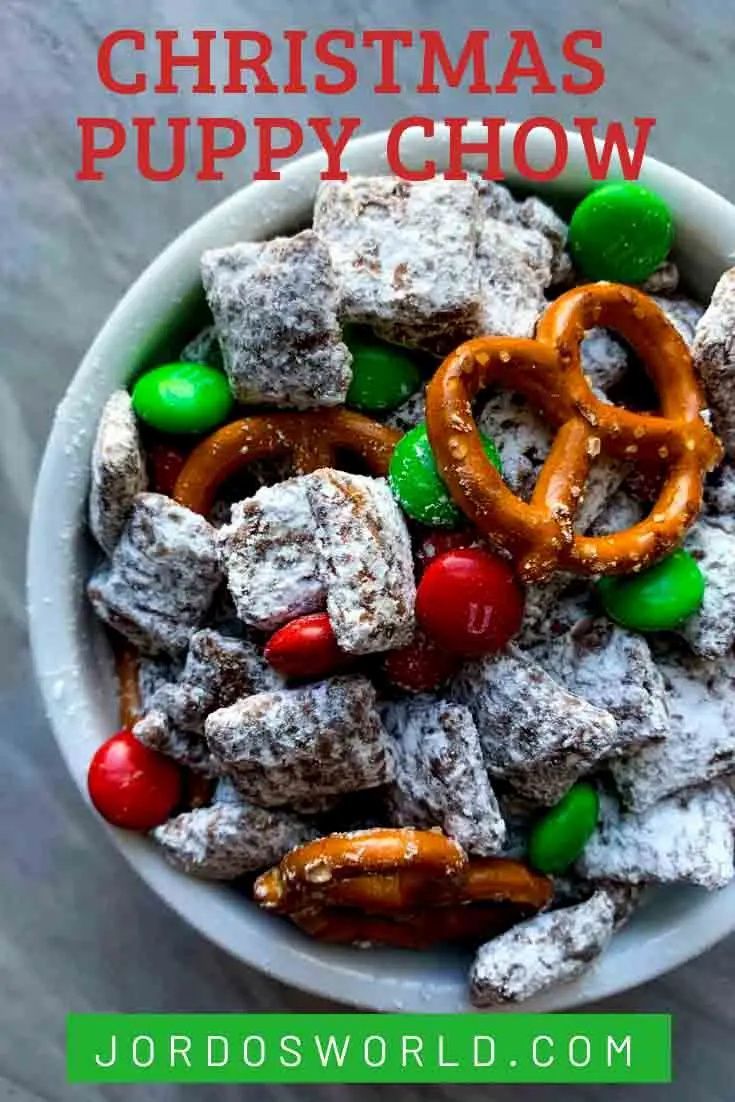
[(131, 786), (439, 541), (306, 647), (419, 667), (469, 602)]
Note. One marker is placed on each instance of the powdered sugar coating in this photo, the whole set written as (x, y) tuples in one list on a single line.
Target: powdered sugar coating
[(553, 608), (681, 839), (405, 256), (710, 631), (156, 731), (604, 359), (683, 313), (366, 560), (701, 742), (218, 671), (410, 413), (118, 471), (663, 281), (154, 672), (625, 898), (515, 268), (550, 948), (440, 776), (275, 306), (719, 496), (714, 357), (535, 734), (229, 839), (613, 669), (203, 349), (270, 556), (296, 746), (532, 214), (161, 578)]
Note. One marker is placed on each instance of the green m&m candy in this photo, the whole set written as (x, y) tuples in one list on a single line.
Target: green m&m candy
[(182, 397), (416, 483), (657, 599), (620, 232), (560, 836), (383, 375)]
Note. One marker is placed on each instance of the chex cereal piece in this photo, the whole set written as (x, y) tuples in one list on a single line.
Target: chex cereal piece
[(229, 838), (685, 838), (161, 578), (535, 734), (515, 269), (275, 305), (604, 359), (719, 496), (710, 632), (663, 281), (613, 669), (554, 608), (683, 313), (531, 213), (156, 731), (409, 414), (524, 440), (405, 256), (366, 560), (153, 673), (296, 746), (203, 349), (218, 671), (440, 777), (714, 357), (701, 742), (118, 471), (270, 556), (550, 948), (621, 511), (625, 898)]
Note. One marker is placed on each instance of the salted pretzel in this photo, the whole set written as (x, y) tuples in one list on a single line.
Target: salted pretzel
[(539, 534), (312, 440), (400, 886), (128, 692)]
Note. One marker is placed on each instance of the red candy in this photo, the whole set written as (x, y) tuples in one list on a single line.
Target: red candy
[(306, 647), (437, 542), (131, 786), (165, 463), (419, 667), (469, 602)]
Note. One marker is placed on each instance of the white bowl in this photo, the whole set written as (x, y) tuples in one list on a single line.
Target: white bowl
[(72, 655)]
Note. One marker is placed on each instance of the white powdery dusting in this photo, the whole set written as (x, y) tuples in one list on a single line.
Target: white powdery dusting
[(409, 414), (683, 313), (663, 281), (686, 838), (515, 269), (550, 948), (614, 669), (719, 496), (535, 734), (275, 305), (405, 256), (203, 349), (230, 838), (440, 776), (701, 743), (118, 471), (366, 560), (297, 746), (270, 556), (714, 357), (161, 578), (604, 359), (531, 213), (156, 731), (710, 631)]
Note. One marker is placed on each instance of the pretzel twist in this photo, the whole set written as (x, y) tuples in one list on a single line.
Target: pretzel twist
[(313, 439), (404, 887), (547, 371)]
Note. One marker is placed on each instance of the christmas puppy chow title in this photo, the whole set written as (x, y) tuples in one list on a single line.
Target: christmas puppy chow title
[(392, 62)]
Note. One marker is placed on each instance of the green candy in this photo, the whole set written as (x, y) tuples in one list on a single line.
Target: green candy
[(383, 375), (416, 483), (620, 232), (657, 599), (182, 398), (560, 836)]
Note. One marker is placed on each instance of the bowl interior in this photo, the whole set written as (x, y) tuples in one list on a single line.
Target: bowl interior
[(159, 313)]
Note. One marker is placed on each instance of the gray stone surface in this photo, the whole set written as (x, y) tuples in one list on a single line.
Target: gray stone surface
[(78, 931)]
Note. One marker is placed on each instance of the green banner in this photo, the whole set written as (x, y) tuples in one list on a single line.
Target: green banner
[(369, 1048)]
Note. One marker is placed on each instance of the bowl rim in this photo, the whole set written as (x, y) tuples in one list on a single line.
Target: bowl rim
[(75, 685)]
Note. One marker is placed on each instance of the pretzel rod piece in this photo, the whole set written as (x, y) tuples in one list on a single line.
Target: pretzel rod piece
[(417, 930), (539, 534), (126, 669)]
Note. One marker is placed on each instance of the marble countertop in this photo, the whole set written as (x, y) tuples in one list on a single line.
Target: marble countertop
[(78, 931)]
